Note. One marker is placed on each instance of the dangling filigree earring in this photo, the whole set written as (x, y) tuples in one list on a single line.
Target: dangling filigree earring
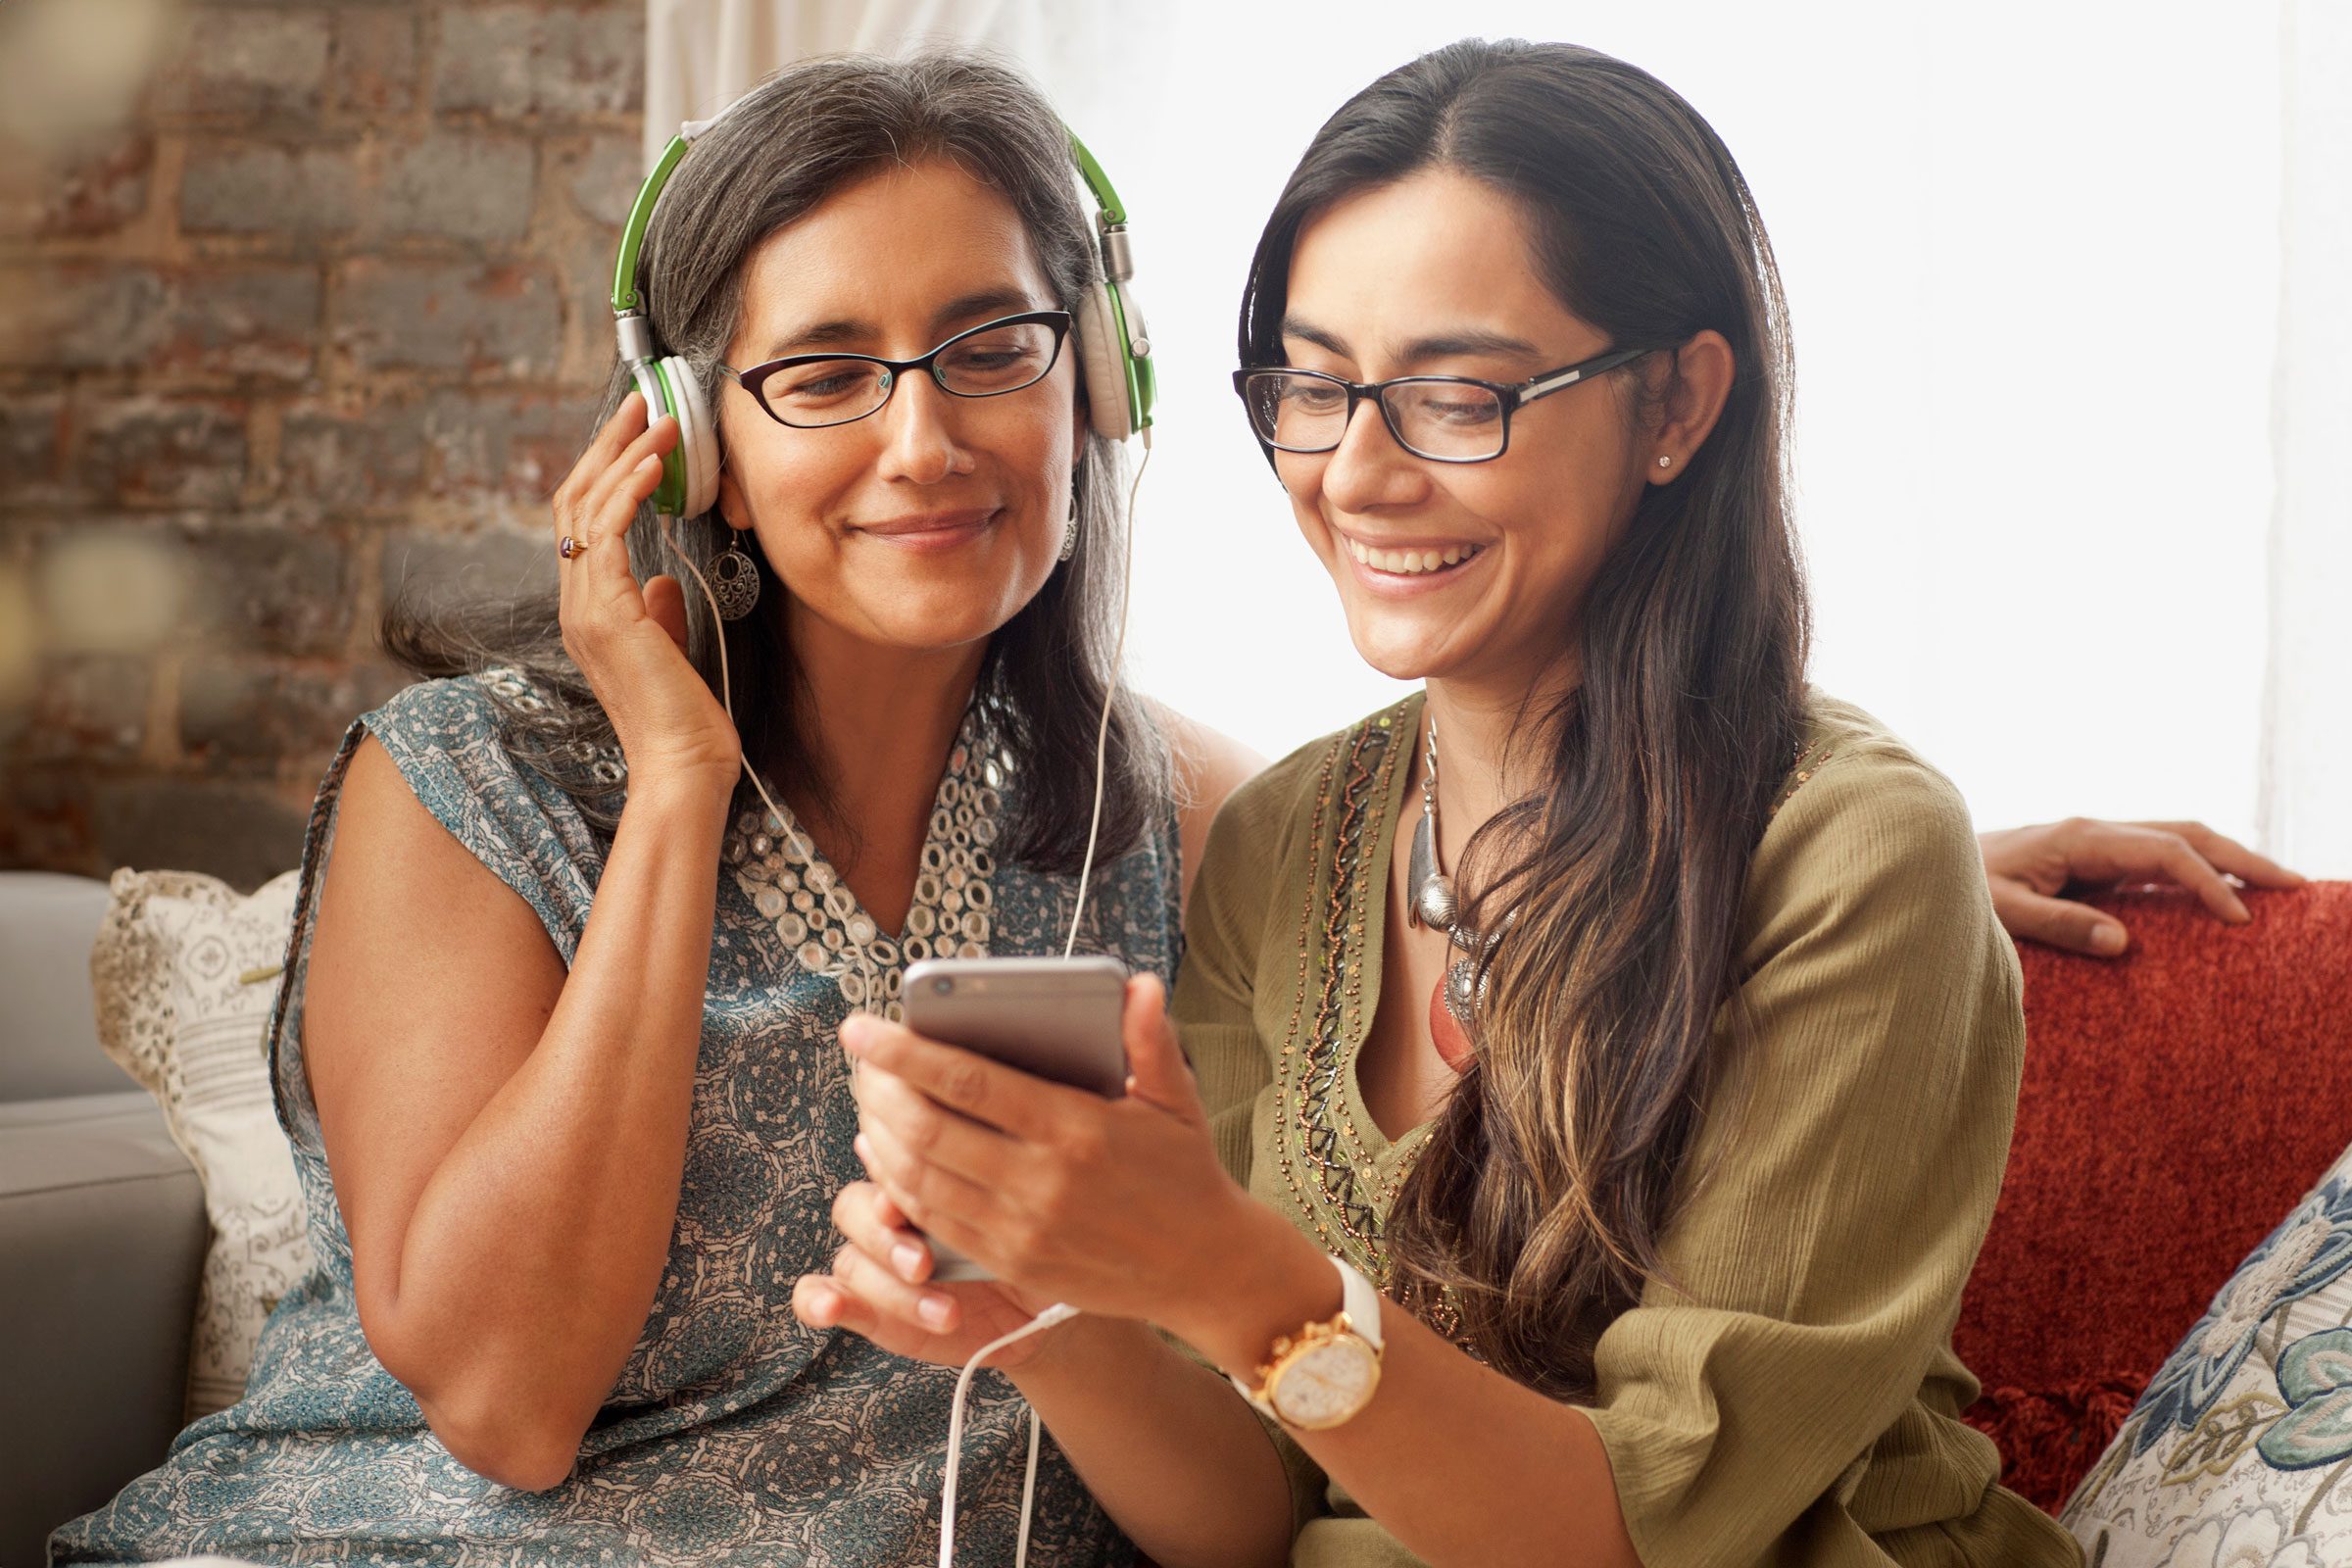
[(734, 583), (1069, 532)]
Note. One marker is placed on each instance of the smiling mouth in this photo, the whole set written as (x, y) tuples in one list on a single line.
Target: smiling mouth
[(1412, 563), (920, 526)]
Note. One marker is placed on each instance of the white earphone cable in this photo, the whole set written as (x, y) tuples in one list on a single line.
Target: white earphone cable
[(1118, 653), (1056, 1313), (718, 631), (726, 700), (632, 350), (1059, 1312)]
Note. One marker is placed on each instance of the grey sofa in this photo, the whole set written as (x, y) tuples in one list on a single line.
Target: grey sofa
[(102, 1233)]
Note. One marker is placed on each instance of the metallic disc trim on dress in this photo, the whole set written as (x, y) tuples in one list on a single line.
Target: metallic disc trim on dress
[(818, 921)]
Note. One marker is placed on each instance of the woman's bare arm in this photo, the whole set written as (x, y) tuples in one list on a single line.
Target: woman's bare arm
[(506, 1140), (1210, 765)]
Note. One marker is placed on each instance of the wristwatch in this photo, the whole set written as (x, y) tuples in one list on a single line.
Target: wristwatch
[(1324, 1375)]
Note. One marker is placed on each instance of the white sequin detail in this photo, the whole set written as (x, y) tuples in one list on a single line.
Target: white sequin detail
[(816, 919)]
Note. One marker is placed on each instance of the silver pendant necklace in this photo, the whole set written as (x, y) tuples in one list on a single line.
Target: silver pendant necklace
[(1433, 902)]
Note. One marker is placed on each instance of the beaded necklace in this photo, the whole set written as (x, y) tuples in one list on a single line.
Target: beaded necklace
[(819, 921)]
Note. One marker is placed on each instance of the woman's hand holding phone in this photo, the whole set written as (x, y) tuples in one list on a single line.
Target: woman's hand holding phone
[(881, 1287), (629, 641), (1116, 1206)]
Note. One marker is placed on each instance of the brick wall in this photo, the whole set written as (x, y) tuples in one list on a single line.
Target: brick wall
[(327, 312)]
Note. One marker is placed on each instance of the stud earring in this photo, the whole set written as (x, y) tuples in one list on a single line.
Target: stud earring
[(1665, 463), (734, 583)]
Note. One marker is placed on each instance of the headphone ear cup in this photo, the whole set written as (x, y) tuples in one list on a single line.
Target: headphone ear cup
[(698, 440), (1102, 358), (654, 386)]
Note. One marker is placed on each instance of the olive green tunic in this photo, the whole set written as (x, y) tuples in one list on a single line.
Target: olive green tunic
[(1797, 1402)]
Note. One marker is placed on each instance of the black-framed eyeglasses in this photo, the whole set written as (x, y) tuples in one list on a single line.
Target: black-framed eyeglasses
[(810, 391), (1445, 418)]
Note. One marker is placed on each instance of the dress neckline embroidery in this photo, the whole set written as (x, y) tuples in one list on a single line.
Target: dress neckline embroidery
[(1339, 1182), (820, 922), (1323, 1155)]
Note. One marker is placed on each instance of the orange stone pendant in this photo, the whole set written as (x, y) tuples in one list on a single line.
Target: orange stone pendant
[(1446, 1032)]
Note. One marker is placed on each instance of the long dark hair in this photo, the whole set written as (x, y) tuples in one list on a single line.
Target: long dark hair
[(1538, 1205), (806, 133)]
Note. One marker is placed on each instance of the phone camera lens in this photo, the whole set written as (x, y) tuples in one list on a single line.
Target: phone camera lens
[(941, 986)]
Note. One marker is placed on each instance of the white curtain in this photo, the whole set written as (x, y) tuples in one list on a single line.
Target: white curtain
[(2075, 491), (2307, 733), (700, 55)]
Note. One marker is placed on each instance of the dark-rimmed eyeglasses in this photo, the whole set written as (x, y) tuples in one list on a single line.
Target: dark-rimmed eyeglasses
[(1445, 418), (810, 391)]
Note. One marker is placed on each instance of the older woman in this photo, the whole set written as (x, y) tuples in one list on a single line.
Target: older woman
[(556, 1048)]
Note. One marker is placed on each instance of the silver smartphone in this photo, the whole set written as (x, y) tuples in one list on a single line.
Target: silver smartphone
[(1056, 1017)]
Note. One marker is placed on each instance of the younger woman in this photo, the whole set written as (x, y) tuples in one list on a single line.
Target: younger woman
[(1630, 1015)]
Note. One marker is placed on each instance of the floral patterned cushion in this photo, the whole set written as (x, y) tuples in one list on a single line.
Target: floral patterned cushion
[(184, 970), (2235, 1456)]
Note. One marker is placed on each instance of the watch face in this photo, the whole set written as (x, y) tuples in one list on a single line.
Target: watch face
[(1327, 1385)]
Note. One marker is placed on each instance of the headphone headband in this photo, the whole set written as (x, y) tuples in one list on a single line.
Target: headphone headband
[(1118, 260), (1114, 211), (625, 297)]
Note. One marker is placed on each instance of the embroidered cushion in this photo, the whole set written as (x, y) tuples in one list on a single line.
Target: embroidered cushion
[(184, 969), (2236, 1452)]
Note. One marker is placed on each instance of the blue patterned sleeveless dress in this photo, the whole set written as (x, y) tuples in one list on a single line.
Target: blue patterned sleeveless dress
[(734, 1434)]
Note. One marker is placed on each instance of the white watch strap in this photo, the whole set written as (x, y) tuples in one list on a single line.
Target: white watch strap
[(1361, 1301)]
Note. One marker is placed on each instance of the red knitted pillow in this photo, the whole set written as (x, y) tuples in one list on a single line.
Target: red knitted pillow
[(2177, 1103)]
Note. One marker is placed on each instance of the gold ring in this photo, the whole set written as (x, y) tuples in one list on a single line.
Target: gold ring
[(571, 547)]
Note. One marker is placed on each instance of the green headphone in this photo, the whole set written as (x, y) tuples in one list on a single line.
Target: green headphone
[(1114, 349)]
